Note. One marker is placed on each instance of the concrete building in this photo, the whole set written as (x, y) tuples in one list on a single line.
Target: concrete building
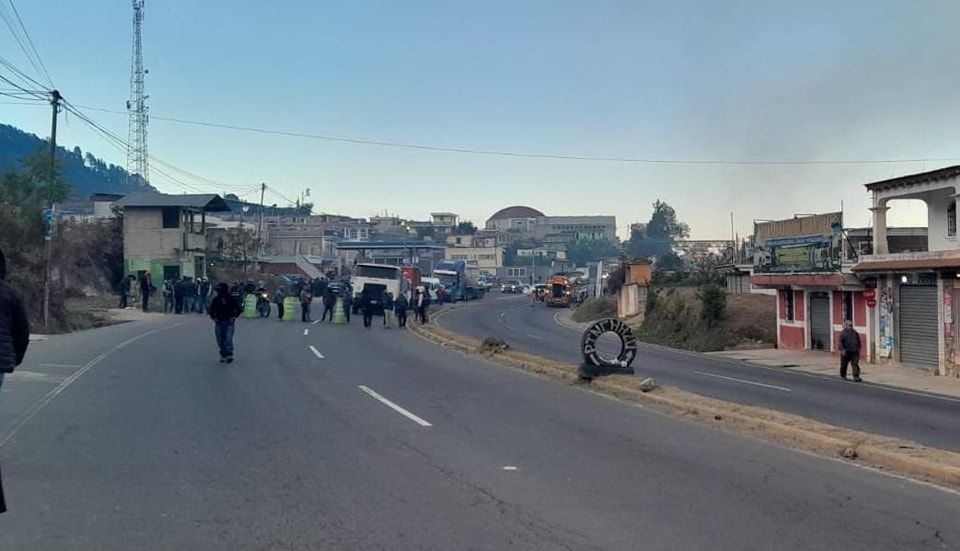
[(166, 234), (914, 317), (444, 222), (803, 259), (481, 253), (516, 219)]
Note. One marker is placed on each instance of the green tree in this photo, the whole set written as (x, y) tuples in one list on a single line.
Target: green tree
[(465, 228), (714, 301), (586, 250), (663, 230)]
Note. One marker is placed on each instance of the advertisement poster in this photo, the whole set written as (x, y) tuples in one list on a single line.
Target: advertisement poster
[(802, 244), (885, 311)]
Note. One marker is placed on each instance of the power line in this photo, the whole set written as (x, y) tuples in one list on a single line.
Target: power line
[(35, 58), (501, 153), (119, 143)]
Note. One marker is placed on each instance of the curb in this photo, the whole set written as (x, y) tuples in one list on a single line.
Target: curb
[(888, 454)]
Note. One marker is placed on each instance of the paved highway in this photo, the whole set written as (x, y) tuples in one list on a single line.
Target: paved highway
[(134, 437), (924, 418)]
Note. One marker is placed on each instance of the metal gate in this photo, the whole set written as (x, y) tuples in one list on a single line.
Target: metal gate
[(919, 337), (820, 320)]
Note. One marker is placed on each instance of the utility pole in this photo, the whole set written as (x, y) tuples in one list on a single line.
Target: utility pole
[(263, 189), (50, 215)]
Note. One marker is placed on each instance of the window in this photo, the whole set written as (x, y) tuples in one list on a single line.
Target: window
[(516, 272), (952, 219), (847, 306), (171, 217), (789, 296)]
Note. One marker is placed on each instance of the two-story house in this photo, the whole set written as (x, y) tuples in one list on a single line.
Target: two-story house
[(166, 234), (915, 319), (481, 252)]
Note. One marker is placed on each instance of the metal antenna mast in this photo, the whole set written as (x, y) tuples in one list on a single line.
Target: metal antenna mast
[(136, 106)]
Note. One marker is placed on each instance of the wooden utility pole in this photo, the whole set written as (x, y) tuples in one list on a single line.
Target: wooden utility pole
[(50, 215)]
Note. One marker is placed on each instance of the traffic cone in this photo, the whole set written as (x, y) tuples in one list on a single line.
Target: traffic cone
[(338, 315)]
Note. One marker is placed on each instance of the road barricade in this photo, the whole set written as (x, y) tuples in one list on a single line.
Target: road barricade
[(290, 306), (250, 306), (338, 315)]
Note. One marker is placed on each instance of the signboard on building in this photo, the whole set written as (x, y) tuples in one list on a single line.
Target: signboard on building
[(802, 244)]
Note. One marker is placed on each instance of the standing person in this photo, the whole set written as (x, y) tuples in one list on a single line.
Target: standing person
[(400, 307), (369, 305), (849, 351), (224, 310), (14, 334), (124, 290), (178, 295), (189, 288), (203, 295), (387, 309), (146, 287), (423, 301), (347, 303), (329, 303), (167, 296), (305, 299), (278, 296)]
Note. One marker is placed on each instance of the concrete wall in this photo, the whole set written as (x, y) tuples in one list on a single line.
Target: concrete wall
[(574, 225), (937, 204), (632, 301), (478, 259), (791, 335)]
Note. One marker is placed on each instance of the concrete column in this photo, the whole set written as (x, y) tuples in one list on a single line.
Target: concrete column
[(880, 228)]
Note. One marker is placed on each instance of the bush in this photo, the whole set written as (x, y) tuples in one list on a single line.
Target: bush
[(714, 302)]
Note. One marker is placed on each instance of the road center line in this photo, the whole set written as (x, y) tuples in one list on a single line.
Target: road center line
[(316, 352), (306, 332), (316, 322), (532, 336), (744, 381), (418, 420)]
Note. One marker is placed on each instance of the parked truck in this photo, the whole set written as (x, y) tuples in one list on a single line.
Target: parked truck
[(456, 283)]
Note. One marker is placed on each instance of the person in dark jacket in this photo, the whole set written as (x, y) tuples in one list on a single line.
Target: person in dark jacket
[(146, 287), (278, 297), (14, 334), (167, 291), (400, 306), (347, 303), (387, 309), (189, 289), (329, 303), (849, 351), (305, 300), (124, 290), (224, 310), (204, 290), (371, 304)]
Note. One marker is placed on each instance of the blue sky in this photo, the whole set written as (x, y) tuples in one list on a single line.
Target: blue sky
[(676, 80)]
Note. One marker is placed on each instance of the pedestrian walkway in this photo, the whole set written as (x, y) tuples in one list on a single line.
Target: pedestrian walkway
[(822, 363)]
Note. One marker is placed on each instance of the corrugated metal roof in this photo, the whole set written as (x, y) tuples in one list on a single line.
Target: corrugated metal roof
[(947, 263), (206, 201)]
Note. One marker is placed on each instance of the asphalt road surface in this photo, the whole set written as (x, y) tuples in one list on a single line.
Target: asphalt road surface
[(135, 437), (921, 417)]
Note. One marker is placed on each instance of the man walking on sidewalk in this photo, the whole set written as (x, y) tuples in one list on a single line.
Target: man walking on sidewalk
[(14, 334), (224, 310), (849, 351)]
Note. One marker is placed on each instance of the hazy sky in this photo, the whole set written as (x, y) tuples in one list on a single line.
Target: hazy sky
[(709, 80)]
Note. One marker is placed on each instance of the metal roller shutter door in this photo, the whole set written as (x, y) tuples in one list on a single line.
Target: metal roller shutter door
[(820, 320), (919, 338)]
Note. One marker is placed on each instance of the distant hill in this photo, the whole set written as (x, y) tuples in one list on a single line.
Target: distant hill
[(85, 172)]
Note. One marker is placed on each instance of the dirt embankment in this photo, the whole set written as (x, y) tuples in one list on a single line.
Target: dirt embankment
[(674, 319)]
